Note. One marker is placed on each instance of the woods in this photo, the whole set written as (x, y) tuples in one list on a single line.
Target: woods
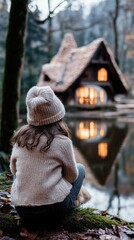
[(29, 39), (43, 36)]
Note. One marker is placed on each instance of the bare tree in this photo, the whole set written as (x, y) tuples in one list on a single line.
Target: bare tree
[(48, 19), (114, 17), (49, 31)]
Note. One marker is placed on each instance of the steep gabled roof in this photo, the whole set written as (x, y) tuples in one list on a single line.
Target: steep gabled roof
[(70, 62)]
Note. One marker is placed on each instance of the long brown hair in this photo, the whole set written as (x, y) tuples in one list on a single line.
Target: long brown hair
[(29, 136)]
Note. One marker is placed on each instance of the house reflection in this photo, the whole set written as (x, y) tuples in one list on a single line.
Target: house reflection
[(90, 130), (103, 149), (99, 143)]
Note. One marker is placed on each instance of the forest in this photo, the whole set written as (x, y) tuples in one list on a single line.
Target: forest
[(31, 35), (22, 55)]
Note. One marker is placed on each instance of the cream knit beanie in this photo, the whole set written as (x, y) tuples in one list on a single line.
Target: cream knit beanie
[(43, 106)]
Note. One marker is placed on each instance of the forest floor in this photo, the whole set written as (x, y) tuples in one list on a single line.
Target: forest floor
[(79, 224)]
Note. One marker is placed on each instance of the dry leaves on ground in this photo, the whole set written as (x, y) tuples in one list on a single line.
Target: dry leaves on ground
[(114, 233)]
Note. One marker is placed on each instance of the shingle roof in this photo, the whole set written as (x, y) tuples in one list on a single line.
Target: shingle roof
[(70, 61)]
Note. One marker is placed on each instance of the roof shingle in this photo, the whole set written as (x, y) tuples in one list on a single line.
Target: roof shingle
[(70, 61)]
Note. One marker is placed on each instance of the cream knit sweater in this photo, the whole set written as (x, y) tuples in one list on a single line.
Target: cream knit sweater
[(43, 178)]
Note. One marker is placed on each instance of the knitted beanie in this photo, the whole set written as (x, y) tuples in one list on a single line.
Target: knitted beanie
[(43, 106)]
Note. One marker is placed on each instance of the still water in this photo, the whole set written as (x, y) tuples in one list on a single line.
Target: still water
[(106, 148)]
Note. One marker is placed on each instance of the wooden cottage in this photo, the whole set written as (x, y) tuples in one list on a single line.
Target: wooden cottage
[(87, 76)]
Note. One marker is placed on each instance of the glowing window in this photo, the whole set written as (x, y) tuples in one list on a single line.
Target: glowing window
[(93, 95), (102, 75), (87, 95), (90, 95)]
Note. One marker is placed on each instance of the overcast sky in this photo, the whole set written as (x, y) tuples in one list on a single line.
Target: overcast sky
[(86, 4)]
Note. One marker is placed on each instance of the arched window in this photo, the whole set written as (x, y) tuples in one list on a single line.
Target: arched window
[(87, 95), (90, 95), (102, 75)]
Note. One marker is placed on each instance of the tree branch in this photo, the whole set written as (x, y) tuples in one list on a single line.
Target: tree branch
[(58, 5), (51, 12)]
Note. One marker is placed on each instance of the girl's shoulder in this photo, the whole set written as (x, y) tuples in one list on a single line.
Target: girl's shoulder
[(62, 140), (59, 138)]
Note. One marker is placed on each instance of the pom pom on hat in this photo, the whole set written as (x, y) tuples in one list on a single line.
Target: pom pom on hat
[(43, 106)]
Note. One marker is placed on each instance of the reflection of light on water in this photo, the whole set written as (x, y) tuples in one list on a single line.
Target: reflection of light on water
[(90, 130), (100, 201), (96, 140), (103, 149)]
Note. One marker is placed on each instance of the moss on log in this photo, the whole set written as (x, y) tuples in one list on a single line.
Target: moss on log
[(8, 224), (78, 220), (81, 219)]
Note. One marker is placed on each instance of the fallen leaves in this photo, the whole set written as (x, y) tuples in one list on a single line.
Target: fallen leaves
[(123, 233), (24, 233), (5, 202), (113, 233)]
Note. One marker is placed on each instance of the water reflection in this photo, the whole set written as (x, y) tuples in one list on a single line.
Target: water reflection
[(90, 130), (104, 148)]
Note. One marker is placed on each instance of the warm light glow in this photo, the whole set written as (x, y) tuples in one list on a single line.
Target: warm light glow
[(86, 92), (82, 94), (81, 100), (102, 96), (102, 131), (87, 130), (93, 130), (103, 149), (93, 95), (90, 130), (87, 95), (83, 130), (102, 75)]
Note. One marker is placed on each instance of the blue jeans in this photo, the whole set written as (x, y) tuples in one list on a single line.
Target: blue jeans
[(76, 186), (56, 209)]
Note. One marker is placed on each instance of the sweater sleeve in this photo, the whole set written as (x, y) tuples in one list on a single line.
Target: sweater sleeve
[(70, 171), (13, 162)]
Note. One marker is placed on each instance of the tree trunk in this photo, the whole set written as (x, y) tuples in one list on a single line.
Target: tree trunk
[(116, 31), (49, 37), (13, 68)]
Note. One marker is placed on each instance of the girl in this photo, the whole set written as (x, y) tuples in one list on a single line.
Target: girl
[(47, 178)]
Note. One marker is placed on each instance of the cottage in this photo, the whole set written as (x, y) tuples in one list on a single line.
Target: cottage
[(85, 77)]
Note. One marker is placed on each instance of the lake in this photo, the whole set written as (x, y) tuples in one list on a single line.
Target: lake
[(106, 148)]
